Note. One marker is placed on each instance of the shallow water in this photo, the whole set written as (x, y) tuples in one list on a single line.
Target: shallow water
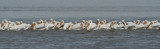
[(58, 39)]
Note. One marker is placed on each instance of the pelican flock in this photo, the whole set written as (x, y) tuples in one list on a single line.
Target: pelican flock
[(87, 25)]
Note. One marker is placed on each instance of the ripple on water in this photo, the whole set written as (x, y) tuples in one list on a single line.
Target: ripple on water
[(59, 39)]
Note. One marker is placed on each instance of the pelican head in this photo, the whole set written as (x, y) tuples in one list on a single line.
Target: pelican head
[(105, 21), (54, 22), (33, 25), (97, 22), (41, 21), (82, 25), (62, 21), (102, 22), (127, 23), (2, 24), (87, 25), (75, 22), (17, 23), (21, 22), (5, 20), (145, 22), (137, 22), (111, 24), (50, 21)]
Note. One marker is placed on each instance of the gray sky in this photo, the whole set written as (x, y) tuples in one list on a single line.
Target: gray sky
[(51, 3)]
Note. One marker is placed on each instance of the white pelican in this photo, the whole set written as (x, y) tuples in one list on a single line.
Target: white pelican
[(90, 26), (77, 26), (33, 26), (51, 24), (56, 26), (130, 26), (153, 25), (120, 25), (45, 27), (98, 22), (67, 26)]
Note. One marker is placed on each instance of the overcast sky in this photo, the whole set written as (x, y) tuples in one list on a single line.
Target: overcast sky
[(51, 3)]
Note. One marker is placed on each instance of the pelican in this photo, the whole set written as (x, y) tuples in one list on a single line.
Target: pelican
[(120, 25), (45, 26), (90, 26), (67, 26), (24, 26), (59, 25), (153, 25), (130, 26), (98, 22), (77, 26), (33, 26), (51, 24)]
